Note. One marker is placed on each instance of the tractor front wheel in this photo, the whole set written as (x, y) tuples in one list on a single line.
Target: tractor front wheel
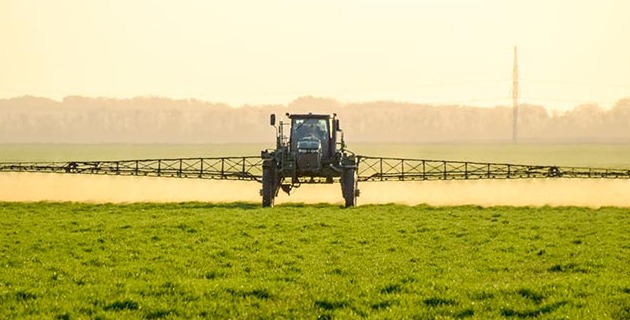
[(349, 187), (269, 185)]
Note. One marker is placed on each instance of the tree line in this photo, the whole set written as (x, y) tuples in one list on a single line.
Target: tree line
[(77, 119)]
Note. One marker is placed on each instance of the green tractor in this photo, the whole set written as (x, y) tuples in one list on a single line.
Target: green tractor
[(314, 152)]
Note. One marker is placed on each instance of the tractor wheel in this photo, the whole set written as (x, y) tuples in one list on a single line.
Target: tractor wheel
[(268, 186), (349, 184)]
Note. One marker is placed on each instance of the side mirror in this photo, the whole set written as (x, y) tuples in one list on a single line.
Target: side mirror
[(272, 119), (336, 124)]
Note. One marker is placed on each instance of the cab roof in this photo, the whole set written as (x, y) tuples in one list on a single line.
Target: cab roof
[(309, 116)]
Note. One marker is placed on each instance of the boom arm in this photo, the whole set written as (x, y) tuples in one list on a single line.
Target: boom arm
[(225, 168), (382, 169), (369, 169)]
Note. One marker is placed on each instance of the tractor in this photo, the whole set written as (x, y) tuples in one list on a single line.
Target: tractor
[(313, 152)]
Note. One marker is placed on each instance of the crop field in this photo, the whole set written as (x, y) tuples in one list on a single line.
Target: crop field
[(199, 260)]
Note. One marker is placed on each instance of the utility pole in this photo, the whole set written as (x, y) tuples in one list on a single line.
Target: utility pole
[(515, 99)]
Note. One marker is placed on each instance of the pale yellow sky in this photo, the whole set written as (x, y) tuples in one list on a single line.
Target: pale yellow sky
[(453, 51)]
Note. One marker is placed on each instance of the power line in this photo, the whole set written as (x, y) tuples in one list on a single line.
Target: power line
[(515, 98)]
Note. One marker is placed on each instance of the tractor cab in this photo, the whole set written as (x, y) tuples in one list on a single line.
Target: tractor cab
[(310, 154)]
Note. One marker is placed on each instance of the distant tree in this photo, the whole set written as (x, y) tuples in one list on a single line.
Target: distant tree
[(78, 119)]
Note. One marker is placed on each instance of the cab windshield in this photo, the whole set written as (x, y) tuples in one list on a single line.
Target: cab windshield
[(309, 129)]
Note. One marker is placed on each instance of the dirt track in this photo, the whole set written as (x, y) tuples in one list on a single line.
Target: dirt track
[(84, 188)]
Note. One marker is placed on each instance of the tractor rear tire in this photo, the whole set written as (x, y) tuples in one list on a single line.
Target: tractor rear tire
[(349, 187), (269, 186)]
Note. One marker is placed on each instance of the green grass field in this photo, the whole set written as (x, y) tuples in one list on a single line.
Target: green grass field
[(197, 260)]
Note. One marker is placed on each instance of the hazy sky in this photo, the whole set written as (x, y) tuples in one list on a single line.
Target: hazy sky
[(273, 51)]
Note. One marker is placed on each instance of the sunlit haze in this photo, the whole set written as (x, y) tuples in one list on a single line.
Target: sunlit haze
[(271, 52)]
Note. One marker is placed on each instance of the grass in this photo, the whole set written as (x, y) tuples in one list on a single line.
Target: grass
[(197, 260)]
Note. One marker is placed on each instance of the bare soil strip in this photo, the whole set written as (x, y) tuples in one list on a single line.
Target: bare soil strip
[(595, 193)]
